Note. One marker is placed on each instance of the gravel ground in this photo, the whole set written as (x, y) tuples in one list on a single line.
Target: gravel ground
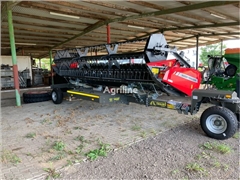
[(169, 155), (147, 143)]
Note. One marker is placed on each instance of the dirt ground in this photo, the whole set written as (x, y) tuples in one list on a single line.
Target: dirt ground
[(169, 155), (43, 140)]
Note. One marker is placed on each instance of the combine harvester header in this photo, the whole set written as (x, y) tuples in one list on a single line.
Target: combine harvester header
[(143, 77)]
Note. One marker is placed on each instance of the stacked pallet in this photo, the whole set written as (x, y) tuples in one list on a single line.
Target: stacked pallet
[(6, 77)]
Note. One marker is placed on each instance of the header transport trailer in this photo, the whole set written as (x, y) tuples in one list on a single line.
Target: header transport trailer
[(143, 77)]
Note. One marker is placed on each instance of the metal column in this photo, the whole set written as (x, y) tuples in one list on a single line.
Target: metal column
[(50, 56), (197, 37), (14, 58), (108, 34), (221, 47)]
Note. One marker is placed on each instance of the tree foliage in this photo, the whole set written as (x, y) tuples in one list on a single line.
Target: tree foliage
[(213, 49)]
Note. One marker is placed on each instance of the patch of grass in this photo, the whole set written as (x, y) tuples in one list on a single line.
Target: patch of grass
[(203, 155), (31, 135), (51, 173), (59, 145), (10, 157), (221, 148), (194, 167), (102, 151), (136, 127)]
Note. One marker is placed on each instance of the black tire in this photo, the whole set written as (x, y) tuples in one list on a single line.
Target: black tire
[(36, 94), (238, 118), (36, 99), (57, 96), (219, 122)]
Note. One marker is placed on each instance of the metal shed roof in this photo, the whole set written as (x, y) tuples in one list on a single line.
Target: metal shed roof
[(38, 28)]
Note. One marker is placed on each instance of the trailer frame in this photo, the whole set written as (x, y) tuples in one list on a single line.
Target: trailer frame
[(226, 110)]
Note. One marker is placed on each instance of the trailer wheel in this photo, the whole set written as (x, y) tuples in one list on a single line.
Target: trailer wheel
[(238, 118), (219, 122), (57, 96)]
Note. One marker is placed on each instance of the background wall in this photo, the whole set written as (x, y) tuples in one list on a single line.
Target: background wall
[(23, 62)]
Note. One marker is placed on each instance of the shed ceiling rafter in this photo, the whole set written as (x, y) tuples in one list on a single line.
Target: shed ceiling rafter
[(178, 20)]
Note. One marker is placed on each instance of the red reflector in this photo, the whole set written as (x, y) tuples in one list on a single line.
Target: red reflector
[(74, 65)]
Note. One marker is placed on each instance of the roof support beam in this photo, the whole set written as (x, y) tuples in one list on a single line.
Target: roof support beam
[(156, 13), (7, 6), (191, 27), (202, 26), (175, 10)]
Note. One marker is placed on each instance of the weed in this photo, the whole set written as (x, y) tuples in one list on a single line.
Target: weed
[(69, 162), (30, 154), (198, 157), (143, 134), (194, 167), (203, 155), (225, 167), (60, 155), (68, 131), (176, 171), (207, 145), (79, 149), (102, 151), (76, 128), (236, 135), (217, 164), (51, 173), (153, 132), (30, 135), (221, 148), (136, 127), (8, 156), (80, 138), (48, 142), (59, 146), (46, 121)]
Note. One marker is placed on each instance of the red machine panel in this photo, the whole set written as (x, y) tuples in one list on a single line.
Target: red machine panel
[(183, 79)]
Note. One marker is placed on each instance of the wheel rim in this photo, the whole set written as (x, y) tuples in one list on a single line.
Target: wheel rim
[(216, 124), (54, 96)]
